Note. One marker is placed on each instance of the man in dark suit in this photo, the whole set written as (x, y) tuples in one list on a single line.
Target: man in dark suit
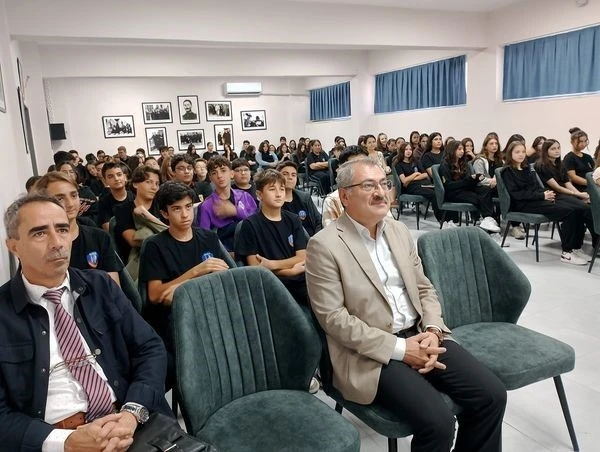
[(385, 332), (189, 115), (73, 351)]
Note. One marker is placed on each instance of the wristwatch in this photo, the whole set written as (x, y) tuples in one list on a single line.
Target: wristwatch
[(139, 411), (438, 333)]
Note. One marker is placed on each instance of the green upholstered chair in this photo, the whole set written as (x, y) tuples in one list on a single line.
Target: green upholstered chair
[(408, 198), (445, 206), (245, 356), (527, 219), (483, 311), (376, 416), (594, 192)]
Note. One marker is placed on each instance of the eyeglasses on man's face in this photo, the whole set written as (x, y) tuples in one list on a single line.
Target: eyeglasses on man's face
[(369, 185)]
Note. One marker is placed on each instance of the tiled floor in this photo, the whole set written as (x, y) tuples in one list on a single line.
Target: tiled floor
[(565, 304)]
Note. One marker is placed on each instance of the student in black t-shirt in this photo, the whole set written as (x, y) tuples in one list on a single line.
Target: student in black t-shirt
[(577, 163), (274, 238), (92, 247), (202, 187), (182, 166), (87, 198), (317, 165), (297, 201), (433, 152), (242, 177), (210, 152), (116, 180), (176, 255)]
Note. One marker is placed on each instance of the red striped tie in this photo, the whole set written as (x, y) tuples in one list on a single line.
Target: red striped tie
[(71, 347)]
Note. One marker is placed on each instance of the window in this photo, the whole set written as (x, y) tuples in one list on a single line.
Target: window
[(438, 84), (330, 102)]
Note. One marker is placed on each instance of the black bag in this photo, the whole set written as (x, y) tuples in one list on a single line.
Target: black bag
[(162, 433)]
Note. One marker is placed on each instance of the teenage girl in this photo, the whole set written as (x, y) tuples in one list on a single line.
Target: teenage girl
[(460, 185), (533, 153), (577, 163), (469, 148), (528, 196), (371, 146), (433, 152)]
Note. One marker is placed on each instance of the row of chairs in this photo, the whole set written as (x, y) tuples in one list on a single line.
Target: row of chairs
[(246, 352)]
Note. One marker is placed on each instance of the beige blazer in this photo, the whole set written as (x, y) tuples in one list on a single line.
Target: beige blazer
[(350, 304)]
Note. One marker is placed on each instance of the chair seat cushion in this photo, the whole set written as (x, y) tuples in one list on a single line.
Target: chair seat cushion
[(412, 198), (458, 207), (523, 217), (517, 355), (279, 420)]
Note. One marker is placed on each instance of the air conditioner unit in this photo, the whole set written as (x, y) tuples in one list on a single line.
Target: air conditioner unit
[(242, 89)]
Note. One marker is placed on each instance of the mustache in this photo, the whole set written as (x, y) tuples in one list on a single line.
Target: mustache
[(379, 197), (58, 254)]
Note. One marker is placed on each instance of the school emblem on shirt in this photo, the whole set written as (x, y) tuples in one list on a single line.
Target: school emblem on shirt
[(92, 259), (291, 240), (302, 215)]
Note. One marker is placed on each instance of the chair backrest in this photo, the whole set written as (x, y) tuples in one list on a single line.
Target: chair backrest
[(332, 165), (238, 332), (396, 181), (236, 238), (594, 192), (130, 289), (502, 192), (112, 223), (438, 186), (474, 278)]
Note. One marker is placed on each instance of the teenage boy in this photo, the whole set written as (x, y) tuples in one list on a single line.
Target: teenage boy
[(182, 166), (274, 238), (226, 207), (242, 177), (91, 247), (297, 201), (174, 256), (116, 180)]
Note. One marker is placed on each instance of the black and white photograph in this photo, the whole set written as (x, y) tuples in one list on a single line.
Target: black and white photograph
[(254, 120), (156, 137), (118, 126), (2, 98), (219, 110), (157, 112), (189, 112), (224, 135), (191, 136)]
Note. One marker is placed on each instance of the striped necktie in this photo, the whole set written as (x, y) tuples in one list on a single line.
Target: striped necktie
[(71, 348)]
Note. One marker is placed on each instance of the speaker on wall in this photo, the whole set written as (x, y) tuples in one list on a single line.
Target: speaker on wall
[(57, 131)]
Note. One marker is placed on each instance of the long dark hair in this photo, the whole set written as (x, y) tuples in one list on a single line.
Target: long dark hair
[(432, 136), (458, 166), (545, 162), (508, 155), (399, 157), (498, 157)]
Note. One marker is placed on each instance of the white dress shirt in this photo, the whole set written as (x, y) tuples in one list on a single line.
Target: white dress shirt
[(404, 313), (65, 394)]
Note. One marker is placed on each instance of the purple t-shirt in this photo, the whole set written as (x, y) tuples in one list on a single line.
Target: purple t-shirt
[(244, 204)]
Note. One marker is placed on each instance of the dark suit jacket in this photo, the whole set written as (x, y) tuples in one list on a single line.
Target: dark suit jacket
[(132, 355)]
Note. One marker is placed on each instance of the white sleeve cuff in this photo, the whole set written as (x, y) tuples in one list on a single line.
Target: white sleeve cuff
[(433, 326), (399, 349), (55, 441)]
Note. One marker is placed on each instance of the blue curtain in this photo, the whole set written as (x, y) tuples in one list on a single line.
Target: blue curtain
[(330, 102), (439, 84), (568, 63)]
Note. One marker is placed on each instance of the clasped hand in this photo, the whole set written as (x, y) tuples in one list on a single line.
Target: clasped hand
[(422, 351), (112, 433)]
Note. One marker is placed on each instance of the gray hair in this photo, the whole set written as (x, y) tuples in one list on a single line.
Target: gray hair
[(11, 216), (345, 173)]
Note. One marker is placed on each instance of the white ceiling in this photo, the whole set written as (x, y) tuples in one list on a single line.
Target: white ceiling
[(438, 5)]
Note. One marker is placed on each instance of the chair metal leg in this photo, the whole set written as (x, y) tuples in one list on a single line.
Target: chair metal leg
[(560, 389), (392, 444), (552, 233), (460, 218), (526, 235), (536, 229), (443, 218), (505, 234), (418, 206), (338, 408), (426, 210), (596, 249)]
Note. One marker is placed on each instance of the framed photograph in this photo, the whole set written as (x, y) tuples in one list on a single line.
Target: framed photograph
[(156, 137), (189, 113), (219, 110), (223, 134), (191, 136), (2, 98), (118, 126), (254, 120), (157, 112)]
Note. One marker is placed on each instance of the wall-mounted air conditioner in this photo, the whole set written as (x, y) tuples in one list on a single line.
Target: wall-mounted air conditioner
[(242, 89)]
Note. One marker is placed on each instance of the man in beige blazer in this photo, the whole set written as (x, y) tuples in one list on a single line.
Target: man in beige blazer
[(385, 333)]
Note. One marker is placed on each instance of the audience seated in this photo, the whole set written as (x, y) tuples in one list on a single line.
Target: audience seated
[(88, 199), (202, 187), (242, 177), (578, 163), (182, 167), (433, 153), (116, 180), (317, 165)]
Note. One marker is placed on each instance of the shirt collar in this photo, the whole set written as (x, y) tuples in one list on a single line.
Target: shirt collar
[(364, 232), (36, 293)]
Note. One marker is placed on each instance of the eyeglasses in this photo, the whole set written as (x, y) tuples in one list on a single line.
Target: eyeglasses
[(369, 185), (183, 169), (241, 170), (74, 363)]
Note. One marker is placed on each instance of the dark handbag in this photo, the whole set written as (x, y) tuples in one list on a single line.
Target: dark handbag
[(163, 434)]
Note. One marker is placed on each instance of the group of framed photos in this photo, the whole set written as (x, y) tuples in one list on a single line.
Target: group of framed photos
[(122, 126)]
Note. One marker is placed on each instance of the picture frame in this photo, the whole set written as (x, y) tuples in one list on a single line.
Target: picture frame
[(191, 136), (223, 134), (156, 137), (218, 110), (118, 126), (253, 120), (189, 112), (2, 97), (157, 112)]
